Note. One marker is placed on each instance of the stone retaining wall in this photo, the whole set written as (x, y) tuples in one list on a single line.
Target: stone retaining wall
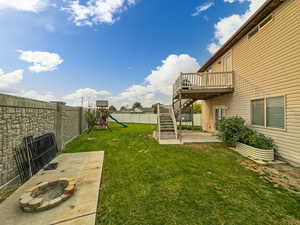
[(20, 117)]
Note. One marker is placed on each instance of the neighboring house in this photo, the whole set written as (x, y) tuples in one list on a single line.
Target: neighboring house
[(149, 110), (138, 110), (255, 75)]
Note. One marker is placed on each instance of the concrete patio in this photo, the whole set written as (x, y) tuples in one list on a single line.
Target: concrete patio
[(86, 169), (193, 136)]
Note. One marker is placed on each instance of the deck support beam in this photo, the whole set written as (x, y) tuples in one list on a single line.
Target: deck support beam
[(180, 116)]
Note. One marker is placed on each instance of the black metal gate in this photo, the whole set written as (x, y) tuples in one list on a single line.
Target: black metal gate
[(34, 154)]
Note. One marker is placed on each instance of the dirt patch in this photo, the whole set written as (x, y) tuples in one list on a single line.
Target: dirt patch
[(283, 175)]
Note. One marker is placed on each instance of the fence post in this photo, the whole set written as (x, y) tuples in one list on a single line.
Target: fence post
[(80, 119), (59, 125)]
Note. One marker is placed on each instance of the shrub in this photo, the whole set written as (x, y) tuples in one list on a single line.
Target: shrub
[(230, 129), (258, 140), (234, 130), (90, 119)]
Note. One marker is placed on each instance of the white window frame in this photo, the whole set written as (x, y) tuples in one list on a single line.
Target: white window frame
[(258, 25), (224, 59), (265, 112), (223, 107)]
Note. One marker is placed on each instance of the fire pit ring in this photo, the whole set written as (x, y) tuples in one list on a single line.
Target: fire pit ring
[(47, 195)]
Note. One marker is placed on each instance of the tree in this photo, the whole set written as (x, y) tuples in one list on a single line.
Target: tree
[(154, 107), (197, 108), (137, 105), (123, 109), (112, 108)]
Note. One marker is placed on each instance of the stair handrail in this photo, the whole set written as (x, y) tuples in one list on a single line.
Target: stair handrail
[(158, 120), (171, 111)]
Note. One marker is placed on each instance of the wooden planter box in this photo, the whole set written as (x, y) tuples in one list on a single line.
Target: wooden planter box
[(255, 153)]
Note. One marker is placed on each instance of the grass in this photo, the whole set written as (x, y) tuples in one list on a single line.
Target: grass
[(145, 183)]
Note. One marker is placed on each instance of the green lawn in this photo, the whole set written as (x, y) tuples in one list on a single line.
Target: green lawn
[(145, 183)]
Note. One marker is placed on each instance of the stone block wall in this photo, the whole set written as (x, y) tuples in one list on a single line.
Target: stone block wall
[(71, 122), (21, 117)]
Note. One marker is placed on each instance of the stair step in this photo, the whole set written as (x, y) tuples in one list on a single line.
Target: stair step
[(166, 126), (168, 137), (167, 133), (163, 130)]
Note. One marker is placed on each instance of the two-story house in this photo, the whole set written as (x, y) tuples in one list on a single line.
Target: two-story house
[(254, 75)]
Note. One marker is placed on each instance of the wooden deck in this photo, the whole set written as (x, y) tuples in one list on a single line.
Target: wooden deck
[(202, 86)]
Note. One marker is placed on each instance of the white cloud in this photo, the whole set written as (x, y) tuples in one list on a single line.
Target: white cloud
[(39, 96), (202, 8), (163, 77), (97, 11), (158, 84), (86, 92), (49, 27), (9, 81), (227, 26), (24, 5), (42, 61)]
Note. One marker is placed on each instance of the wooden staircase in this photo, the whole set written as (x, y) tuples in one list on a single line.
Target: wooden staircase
[(184, 104), (167, 127)]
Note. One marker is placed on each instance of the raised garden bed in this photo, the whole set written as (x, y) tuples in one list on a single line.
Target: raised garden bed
[(255, 153)]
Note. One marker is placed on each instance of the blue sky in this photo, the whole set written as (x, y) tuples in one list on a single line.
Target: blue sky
[(120, 50)]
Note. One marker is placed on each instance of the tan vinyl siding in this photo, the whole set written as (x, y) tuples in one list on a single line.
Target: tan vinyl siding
[(268, 64)]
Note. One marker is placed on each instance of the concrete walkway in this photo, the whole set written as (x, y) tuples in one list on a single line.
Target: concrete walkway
[(192, 136), (80, 209)]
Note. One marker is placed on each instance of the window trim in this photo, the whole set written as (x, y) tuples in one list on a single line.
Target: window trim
[(251, 116), (258, 27), (223, 57), (265, 112)]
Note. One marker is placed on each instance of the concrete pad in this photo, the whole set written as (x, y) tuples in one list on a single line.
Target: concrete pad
[(169, 142), (198, 137), (81, 208), (83, 220)]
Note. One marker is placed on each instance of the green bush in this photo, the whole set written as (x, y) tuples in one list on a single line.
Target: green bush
[(91, 119), (234, 130), (231, 129), (258, 140)]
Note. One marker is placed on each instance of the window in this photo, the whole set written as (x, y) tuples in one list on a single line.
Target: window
[(268, 112), (258, 112), (260, 26), (252, 32), (275, 112), (227, 62), (265, 21)]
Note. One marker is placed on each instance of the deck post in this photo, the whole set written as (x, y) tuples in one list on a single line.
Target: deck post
[(192, 113), (180, 117)]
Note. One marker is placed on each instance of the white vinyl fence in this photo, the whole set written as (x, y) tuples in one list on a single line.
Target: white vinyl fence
[(148, 118)]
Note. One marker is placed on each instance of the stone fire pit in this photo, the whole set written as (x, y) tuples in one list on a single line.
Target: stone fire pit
[(47, 195)]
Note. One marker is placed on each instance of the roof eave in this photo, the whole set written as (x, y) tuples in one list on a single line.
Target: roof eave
[(264, 10)]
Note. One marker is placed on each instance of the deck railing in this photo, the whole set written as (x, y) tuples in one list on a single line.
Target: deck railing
[(158, 121), (190, 81), (171, 111)]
